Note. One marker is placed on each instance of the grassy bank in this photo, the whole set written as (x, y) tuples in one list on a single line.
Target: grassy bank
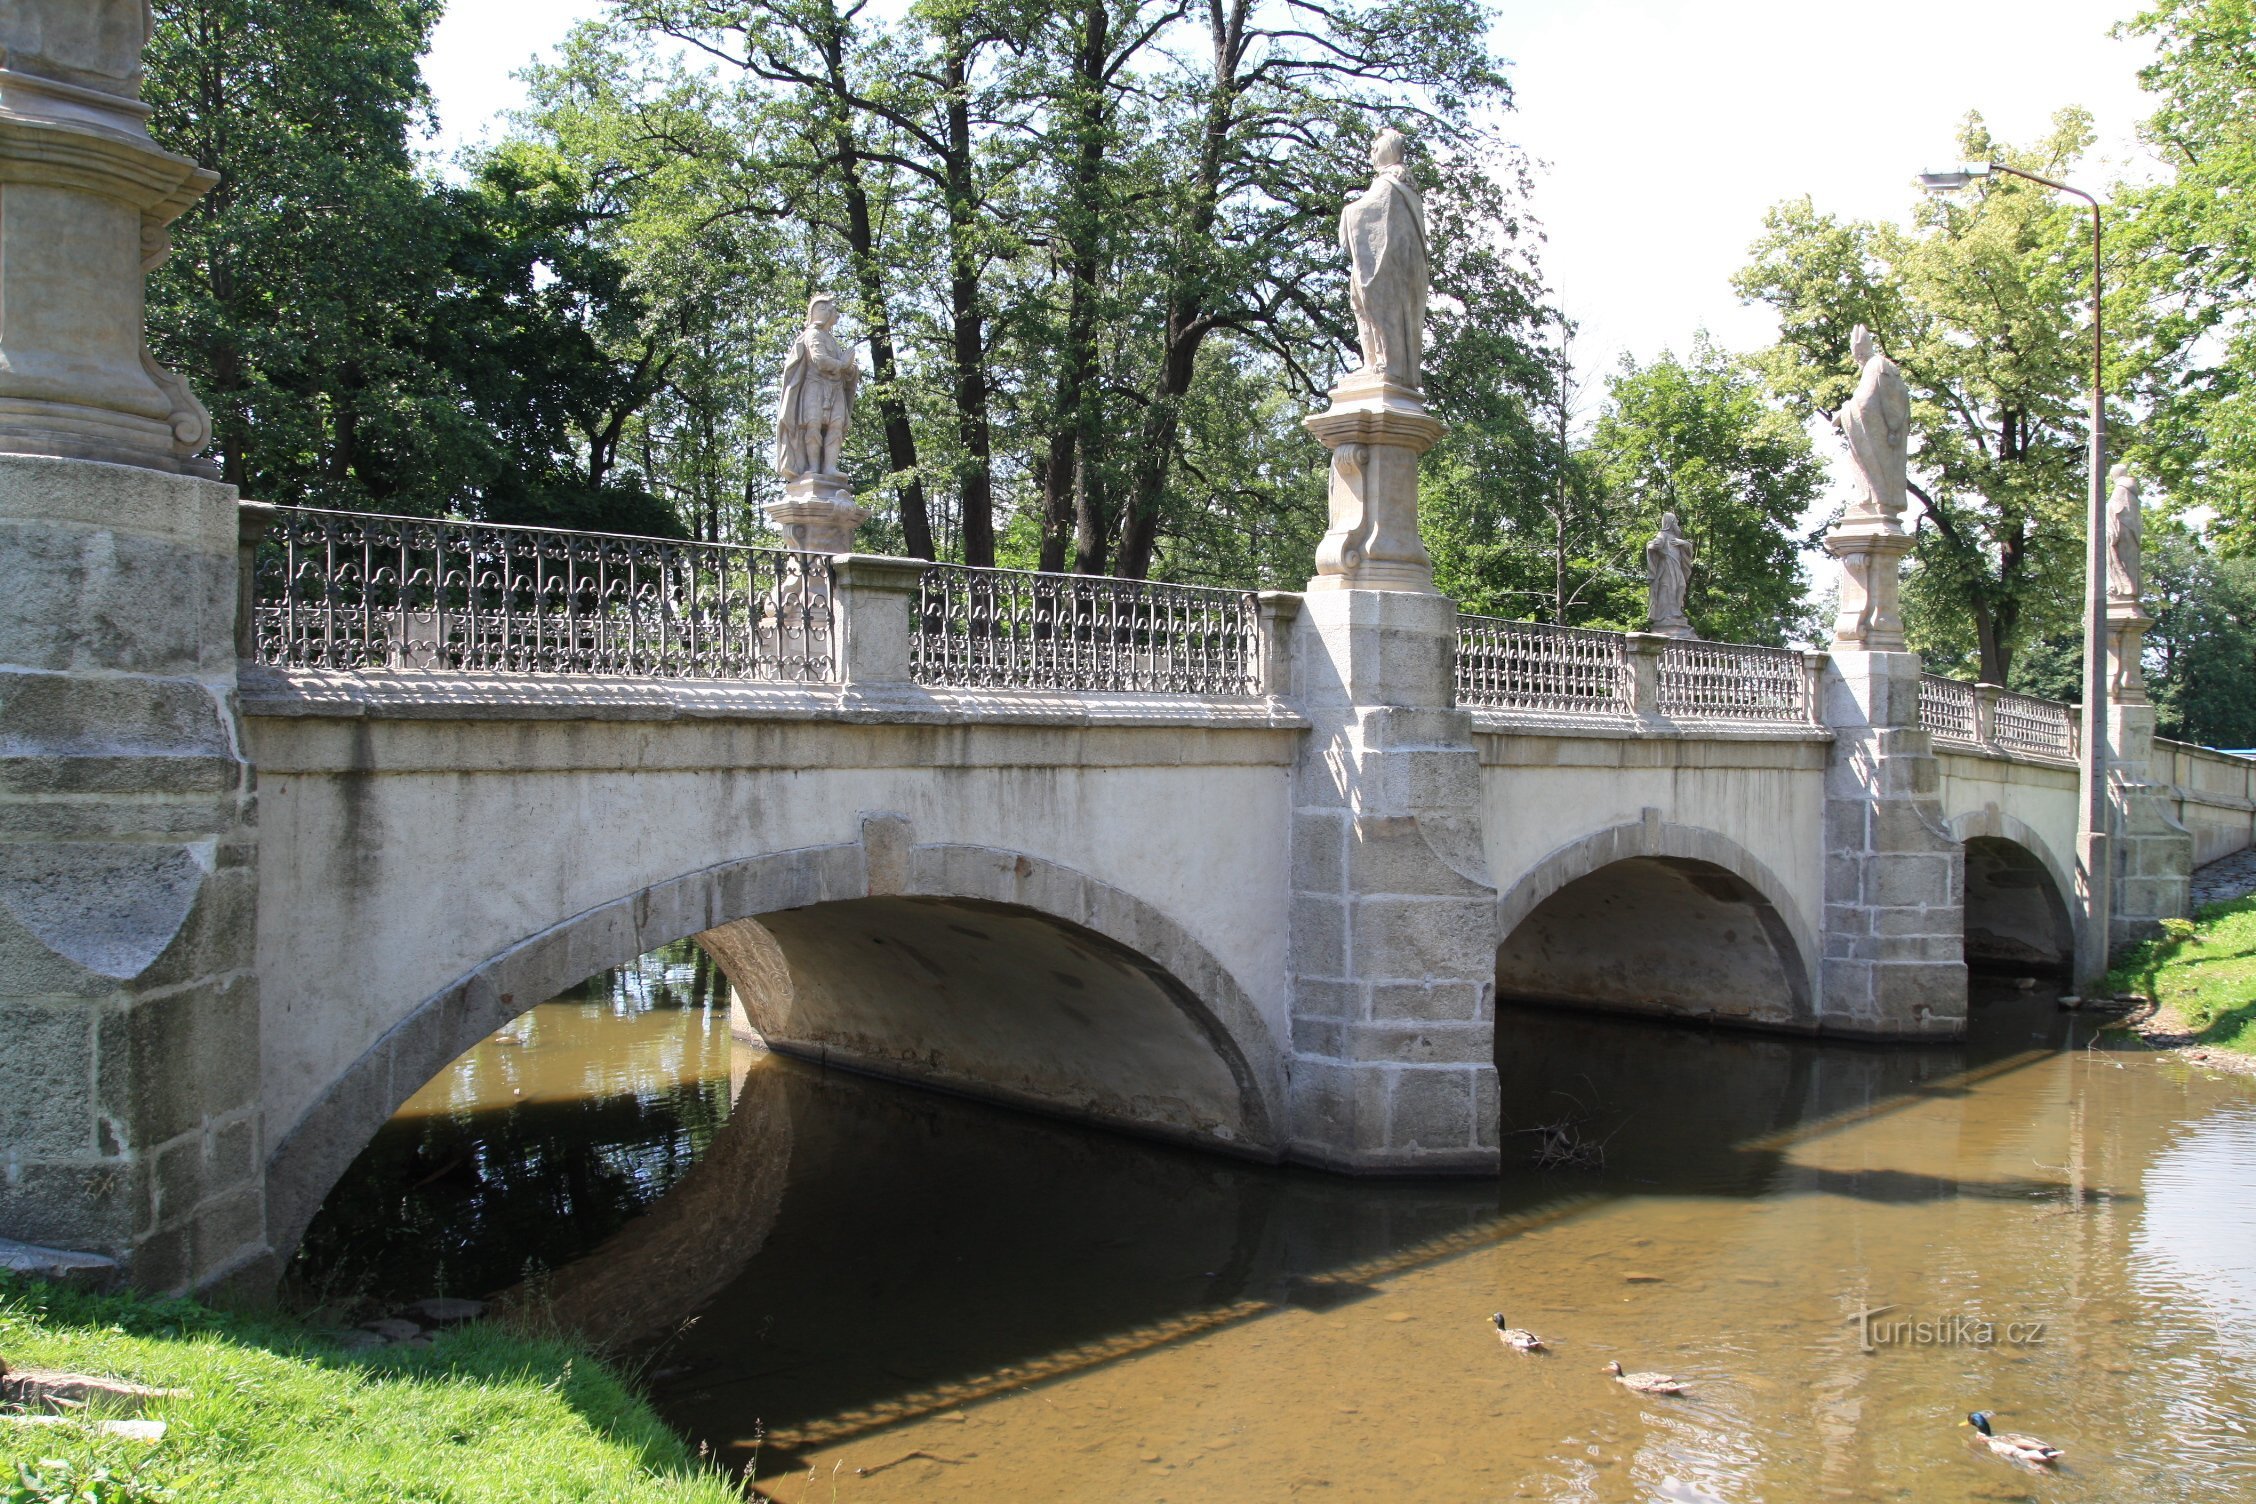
[(277, 1413), (2204, 972)]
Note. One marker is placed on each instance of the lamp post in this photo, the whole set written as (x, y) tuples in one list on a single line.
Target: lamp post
[(2091, 817)]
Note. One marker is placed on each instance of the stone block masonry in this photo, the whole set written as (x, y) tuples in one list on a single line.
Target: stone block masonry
[(129, 1043), (1392, 916)]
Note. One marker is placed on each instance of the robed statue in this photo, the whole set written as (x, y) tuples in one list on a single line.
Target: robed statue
[(1383, 230), (1668, 574), (819, 381), (1877, 423), (2123, 524)]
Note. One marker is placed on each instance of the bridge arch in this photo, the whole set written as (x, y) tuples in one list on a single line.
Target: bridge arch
[(1163, 964), (2018, 892), (1600, 921)]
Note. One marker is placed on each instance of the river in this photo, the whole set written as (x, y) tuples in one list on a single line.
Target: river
[(869, 1292)]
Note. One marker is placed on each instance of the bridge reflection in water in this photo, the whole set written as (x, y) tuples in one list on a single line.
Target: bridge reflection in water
[(977, 1303)]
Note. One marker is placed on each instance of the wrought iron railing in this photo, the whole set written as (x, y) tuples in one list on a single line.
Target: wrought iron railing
[(354, 591), (1734, 681), (1982, 716), (1017, 629), (2045, 728), (1534, 667), (1946, 709)]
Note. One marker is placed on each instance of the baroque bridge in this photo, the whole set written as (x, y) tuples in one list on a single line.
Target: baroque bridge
[(294, 806), (1248, 870)]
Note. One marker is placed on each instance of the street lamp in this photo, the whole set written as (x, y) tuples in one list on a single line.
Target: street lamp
[(2091, 818)]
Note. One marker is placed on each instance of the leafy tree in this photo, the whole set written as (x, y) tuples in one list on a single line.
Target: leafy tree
[(1982, 304), (2187, 248), (2202, 649), (1700, 438)]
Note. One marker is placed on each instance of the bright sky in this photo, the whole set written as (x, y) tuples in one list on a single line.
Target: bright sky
[(1669, 126)]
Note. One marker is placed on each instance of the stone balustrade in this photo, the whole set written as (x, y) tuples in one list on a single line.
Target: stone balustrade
[(1986, 717), (349, 591)]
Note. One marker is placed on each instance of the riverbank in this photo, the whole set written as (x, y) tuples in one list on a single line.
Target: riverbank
[(2199, 981), (278, 1411)]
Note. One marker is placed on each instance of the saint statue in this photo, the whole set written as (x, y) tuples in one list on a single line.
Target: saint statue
[(2123, 535), (1668, 572), (819, 380), (1383, 230), (1877, 423)]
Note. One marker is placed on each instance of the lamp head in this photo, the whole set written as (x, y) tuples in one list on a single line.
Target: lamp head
[(1951, 179)]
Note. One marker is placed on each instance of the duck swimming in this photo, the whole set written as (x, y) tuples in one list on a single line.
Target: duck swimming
[(1517, 1338), (2012, 1444), (1648, 1383)]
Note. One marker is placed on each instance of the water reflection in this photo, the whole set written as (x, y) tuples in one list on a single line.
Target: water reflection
[(538, 1143), (919, 1297)]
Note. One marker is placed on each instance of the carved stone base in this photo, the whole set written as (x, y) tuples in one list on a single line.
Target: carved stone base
[(2152, 854), (1871, 551), (1376, 431), (87, 197), (817, 514), (2127, 627)]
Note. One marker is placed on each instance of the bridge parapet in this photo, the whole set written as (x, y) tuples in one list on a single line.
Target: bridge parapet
[(1994, 720), (1513, 670)]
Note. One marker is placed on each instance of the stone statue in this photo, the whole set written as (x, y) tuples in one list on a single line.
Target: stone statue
[(1383, 230), (1668, 572), (819, 381), (1877, 423), (2123, 524)]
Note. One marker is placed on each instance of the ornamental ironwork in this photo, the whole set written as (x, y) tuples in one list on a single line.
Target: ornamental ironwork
[(1734, 681), (1018, 629), (1536, 667), (357, 591)]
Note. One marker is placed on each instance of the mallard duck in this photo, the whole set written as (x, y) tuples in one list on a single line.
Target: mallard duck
[(1647, 1383), (1518, 1338), (2012, 1445)]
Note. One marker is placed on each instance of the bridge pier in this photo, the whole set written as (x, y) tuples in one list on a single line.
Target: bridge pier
[(2152, 853), (1393, 914)]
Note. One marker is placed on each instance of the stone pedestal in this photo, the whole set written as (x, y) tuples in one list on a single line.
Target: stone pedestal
[(1895, 922), (85, 197), (1871, 550), (2152, 854), (1393, 915), (129, 1008), (1376, 430), (817, 514)]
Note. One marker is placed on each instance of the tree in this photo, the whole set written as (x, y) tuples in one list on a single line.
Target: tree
[(2187, 248), (1700, 438), (366, 338), (1982, 304), (2203, 645)]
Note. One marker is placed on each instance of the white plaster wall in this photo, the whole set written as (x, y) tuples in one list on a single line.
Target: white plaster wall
[(1541, 793), (2042, 796), (399, 851)]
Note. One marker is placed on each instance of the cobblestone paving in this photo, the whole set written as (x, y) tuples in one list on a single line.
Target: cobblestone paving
[(2227, 877)]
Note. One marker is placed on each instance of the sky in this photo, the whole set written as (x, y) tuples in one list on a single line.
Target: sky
[(1666, 127)]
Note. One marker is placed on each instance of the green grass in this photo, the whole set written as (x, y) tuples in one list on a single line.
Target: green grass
[(277, 1413), (2205, 971)]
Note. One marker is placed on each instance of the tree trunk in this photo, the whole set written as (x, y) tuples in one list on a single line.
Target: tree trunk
[(976, 486), (1071, 507)]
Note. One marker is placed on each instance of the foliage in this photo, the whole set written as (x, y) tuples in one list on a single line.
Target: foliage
[(1982, 305), (2187, 247), (2207, 977), (2203, 644), (1700, 438), (366, 338), (278, 1413)]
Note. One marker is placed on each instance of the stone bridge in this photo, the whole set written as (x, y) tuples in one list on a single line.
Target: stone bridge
[(296, 806), (1245, 870)]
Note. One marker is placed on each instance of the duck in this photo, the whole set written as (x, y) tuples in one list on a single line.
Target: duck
[(1648, 1383), (1517, 1338), (2012, 1445)]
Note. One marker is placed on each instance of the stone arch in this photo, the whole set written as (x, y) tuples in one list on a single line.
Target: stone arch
[(1675, 864), (2006, 922), (314, 1155)]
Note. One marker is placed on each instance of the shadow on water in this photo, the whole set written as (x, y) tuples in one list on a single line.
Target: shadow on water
[(841, 1253)]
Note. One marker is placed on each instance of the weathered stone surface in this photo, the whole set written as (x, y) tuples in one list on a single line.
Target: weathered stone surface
[(58, 1265)]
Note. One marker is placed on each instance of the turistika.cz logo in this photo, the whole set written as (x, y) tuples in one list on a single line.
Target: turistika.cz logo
[(1960, 1329)]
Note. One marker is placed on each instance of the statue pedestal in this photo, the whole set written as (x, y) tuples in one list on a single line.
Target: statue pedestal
[(2127, 626), (1676, 627), (88, 198), (2151, 853), (1871, 550), (817, 514), (1376, 430)]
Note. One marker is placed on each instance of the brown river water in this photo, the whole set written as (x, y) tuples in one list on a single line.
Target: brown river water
[(870, 1292)]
